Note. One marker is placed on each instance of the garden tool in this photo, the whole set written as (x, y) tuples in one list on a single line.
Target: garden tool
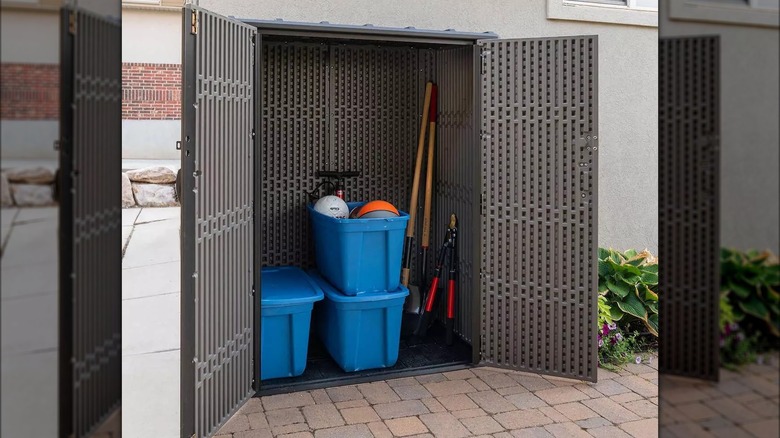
[(449, 246)]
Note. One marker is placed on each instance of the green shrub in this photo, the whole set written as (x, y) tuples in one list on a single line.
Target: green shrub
[(749, 283), (628, 288)]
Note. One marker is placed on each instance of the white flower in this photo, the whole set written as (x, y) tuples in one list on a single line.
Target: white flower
[(612, 326), (638, 359)]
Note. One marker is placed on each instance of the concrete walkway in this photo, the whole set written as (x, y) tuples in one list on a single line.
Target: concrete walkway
[(474, 402), (150, 322), (29, 321)]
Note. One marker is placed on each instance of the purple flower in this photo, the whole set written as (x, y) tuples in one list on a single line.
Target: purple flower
[(722, 343), (612, 326), (613, 341), (619, 337), (638, 359), (605, 329), (727, 330), (740, 336), (601, 342), (734, 326)]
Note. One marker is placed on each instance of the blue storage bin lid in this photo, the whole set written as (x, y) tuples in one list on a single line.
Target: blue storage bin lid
[(286, 286), (365, 297)]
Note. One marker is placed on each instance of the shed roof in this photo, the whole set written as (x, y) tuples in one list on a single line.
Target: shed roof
[(324, 29)]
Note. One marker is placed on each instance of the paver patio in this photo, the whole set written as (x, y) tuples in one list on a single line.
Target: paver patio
[(741, 404), (476, 402), (472, 402)]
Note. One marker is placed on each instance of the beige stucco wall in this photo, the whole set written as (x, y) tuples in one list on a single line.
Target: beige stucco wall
[(628, 67), (151, 36), (38, 29), (750, 102)]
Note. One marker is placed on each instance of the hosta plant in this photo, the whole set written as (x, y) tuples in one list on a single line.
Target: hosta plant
[(628, 287), (750, 285)]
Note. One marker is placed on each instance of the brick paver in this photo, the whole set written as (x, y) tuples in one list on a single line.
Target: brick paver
[(449, 387), (523, 419), (610, 410), (412, 392), (531, 432), (378, 392), (359, 415), (566, 430), (575, 411), (526, 401), (647, 428), (561, 394), (741, 404), (492, 402), (457, 402), (482, 425), (406, 426), (399, 409), (489, 402), (444, 424), (322, 416)]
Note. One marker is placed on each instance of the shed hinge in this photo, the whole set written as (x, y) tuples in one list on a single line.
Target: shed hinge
[(194, 29), (72, 22), (483, 57), (253, 134), (253, 290)]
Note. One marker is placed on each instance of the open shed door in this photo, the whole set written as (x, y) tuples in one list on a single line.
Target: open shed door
[(217, 231), (539, 250), (90, 360), (689, 218)]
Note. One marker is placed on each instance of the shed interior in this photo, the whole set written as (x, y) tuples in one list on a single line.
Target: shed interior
[(338, 104)]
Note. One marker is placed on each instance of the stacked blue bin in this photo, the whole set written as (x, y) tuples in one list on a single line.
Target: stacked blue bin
[(359, 269), (288, 296)]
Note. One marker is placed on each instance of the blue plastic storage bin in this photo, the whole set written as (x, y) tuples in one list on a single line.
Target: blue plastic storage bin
[(359, 255), (360, 332), (288, 296)]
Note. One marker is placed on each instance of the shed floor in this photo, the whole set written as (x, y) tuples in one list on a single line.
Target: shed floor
[(430, 353)]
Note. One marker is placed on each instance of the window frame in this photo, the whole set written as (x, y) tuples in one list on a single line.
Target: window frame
[(708, 11), (630, 14)]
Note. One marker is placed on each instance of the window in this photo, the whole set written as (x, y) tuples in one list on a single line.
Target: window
[(164, 4), (630, 12), (745, 12)]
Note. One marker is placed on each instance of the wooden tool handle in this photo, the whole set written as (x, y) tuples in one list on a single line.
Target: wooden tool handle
[(405, 276), (418, 163), (426, 231)]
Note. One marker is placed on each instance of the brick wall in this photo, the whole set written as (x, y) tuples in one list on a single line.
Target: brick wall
[(29, 91), (151, 91)]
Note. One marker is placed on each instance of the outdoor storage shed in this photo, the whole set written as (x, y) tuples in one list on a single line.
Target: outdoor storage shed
[(266, 104)]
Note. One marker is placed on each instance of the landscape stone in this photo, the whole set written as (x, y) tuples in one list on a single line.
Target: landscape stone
[(154, 195), (128, 200), (30, 175), (32, 195), (152, 175), (5, 191)]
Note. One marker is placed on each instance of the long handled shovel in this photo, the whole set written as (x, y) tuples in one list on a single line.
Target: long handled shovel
[(426, 231), (412, 304)]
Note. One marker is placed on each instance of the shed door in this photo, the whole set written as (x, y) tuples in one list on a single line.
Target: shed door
[(217, 230), (539, 250), (689, 163), (90, 374)]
